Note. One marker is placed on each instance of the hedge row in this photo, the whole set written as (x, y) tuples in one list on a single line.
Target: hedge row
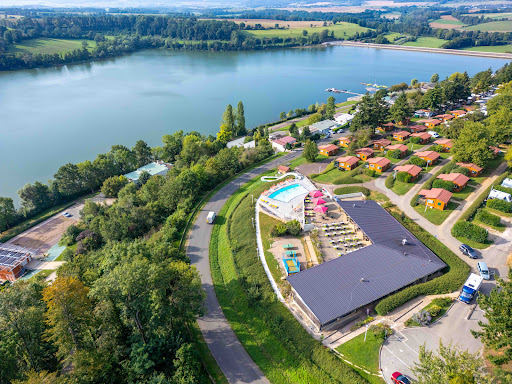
[(353, 189), (348, 176), (390, 181), (503, 189), (488, 218), (500, 205), (470, 231), (468, 214), (428, 184), (456, 271)]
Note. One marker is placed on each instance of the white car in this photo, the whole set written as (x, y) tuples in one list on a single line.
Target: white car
[(434, 134)]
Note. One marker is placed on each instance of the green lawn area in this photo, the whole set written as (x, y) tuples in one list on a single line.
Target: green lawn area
[(499, 213), (491, 15), (501, 228), (427, 42), (342, 29), (497, 48), (436, 216), (449, 22), (302, 160), (401, 188), (415, 147), (298, 124), (43, 274), (493, 26), (329, 176), (364, 354), (463, 195), (346, 103), (48, 46)]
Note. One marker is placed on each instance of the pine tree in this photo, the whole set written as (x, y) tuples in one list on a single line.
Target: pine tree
[(240, 120), (400, 110)]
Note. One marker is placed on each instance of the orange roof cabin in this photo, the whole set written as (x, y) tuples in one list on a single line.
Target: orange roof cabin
[(401, 135), (380, 144), (283, 169), (328, 150), (458, 179), (411, 169), (347, 162), (474, 170), (364, 153), (437, 198), (458, 113), (445, 143), (386, 127), (403, 149), (13, 260), (424, 137), (379, 164), (431, 123), (405, 121), (417, 128), (345, 141), (430, 157), (495, 151), (444, 117), (469, 108)]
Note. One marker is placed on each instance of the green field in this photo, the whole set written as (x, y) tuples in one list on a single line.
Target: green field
[(448, 22), (436, 216), (340, 30), (491, 15), (427, 42), (494, 26), (49, 46), (497, 48), (364, 354)]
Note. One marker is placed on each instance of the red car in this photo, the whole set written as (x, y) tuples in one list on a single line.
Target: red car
[(398, 378)]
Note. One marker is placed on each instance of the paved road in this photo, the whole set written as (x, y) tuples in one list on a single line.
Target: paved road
[(232, 358)]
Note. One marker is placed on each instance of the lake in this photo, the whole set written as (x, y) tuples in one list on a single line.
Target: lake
[(54, 116)]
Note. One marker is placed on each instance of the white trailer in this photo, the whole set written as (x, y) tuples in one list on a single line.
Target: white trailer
[(211, 217), (495, 194)]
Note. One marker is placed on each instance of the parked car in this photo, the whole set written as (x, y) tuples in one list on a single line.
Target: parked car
[(468, 251), (398, 378), (65, 214), (434, 134), (483, 270)]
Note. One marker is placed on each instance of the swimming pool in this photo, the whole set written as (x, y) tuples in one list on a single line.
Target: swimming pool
[(288, 193)]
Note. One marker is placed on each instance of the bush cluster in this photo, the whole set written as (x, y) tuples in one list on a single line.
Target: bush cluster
[(415, 140), (456, 272), (390, 181), (500, 205), (348, 176), (462, 170), (359, 324), (444, 184), (404, 177), (488, 218), (395, 154), (353, 189), (470, 231), (503, 189), (290, 228), (436, 148), (418, 161)]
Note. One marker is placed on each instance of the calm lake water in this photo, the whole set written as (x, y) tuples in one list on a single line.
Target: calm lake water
[(50, 117)]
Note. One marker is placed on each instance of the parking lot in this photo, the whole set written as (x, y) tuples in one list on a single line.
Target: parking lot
[(401, 350)]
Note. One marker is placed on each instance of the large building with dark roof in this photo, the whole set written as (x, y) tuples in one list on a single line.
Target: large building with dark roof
[(331, 292)]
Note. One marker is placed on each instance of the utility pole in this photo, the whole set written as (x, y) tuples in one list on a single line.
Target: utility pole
[(252, 219)]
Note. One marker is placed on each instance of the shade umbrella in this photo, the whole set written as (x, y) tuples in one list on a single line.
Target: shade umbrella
[(321, 208), (319, 201), (315, 194)]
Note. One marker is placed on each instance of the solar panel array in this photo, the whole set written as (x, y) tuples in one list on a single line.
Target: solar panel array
[(12, 255)]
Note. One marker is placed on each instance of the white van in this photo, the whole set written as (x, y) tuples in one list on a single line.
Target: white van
[(483, 270), (211, 217)]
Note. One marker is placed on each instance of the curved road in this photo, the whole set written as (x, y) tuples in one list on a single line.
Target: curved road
[(231, 356)]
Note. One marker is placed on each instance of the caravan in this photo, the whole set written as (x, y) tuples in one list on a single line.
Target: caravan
[(211, 217), (495, 194)]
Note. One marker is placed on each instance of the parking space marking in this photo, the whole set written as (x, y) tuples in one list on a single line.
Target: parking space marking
[(407, 345), (389, 350)]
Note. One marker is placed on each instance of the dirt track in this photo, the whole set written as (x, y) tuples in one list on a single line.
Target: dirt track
[(492, 55)]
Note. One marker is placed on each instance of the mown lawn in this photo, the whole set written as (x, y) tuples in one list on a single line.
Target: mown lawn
[(342, 29), (497, 48), (493, 26), (329, 176), (436, 216), (302, 160), (44, 45), (364, 354), (463, 195), (427, 42), (401, 188), (271, 335)]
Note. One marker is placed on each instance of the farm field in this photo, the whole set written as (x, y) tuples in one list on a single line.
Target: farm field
[(492, 15), (49, 46), (270, 23), (427, 42), (340, 30), (452, 21), (494, 26), (497, 48), (446, 22)]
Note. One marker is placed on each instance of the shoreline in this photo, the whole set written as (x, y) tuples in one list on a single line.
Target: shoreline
[(491, 55)]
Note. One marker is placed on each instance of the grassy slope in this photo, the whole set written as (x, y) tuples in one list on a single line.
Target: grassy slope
[(49, 46), (274, 339), (494, 26), (364, 354), (449, 22), (498, 48), (340, 30), (427, 42)]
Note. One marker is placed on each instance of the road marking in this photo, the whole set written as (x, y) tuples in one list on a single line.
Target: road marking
[(407, 345), (397, 357)]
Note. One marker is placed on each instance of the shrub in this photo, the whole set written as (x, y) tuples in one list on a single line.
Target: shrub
[(359, 324), (381, 330), (470, 231), (436, 148), (293, 227), (488, 218), (404, 177), (395, 154), (456, 273), (278, 230), (113, 185), (370, 172), (434, 310), (500, 205), (503, 189), (415, 140), (444, 184), (423, 318), (346, 180), (462, 170), (417, 161), (353, 189), (390, 181)]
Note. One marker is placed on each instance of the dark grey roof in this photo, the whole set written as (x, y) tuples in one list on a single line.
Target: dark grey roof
[(334, 289)]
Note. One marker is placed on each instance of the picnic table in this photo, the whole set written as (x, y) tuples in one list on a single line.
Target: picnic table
[(288, 246), (290, 253)]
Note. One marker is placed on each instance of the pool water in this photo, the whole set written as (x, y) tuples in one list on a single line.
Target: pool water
[(288, 193)]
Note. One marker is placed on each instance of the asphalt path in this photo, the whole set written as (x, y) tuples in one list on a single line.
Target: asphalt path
[(225, 347)]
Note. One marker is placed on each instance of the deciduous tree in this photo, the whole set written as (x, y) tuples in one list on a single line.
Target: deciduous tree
[(240, 120), (400, 109), (7, 213), (310, 151)]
